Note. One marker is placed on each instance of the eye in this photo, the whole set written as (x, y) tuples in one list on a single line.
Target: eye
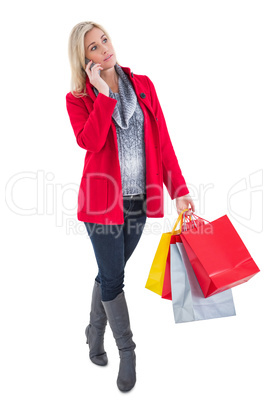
[(96, 46)]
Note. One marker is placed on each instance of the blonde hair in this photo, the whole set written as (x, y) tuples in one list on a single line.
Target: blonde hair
[(76, 53)]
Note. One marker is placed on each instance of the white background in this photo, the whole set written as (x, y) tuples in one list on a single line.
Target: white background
[(208, 61)]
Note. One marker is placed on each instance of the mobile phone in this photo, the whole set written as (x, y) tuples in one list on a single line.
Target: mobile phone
[(93, 64), (87, 61)]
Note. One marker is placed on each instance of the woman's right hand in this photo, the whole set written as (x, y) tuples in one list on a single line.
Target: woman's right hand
[(95, 78)]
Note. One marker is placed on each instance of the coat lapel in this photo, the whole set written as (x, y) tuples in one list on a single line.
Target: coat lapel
[(139, 88)]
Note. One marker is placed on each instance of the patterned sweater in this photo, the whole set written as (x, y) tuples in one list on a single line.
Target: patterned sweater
[(129, 122)]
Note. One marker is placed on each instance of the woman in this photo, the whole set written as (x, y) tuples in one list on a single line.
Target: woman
[(118, 120)]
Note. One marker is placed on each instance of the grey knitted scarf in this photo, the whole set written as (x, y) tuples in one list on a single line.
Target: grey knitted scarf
[(129, 121), (126, 99)]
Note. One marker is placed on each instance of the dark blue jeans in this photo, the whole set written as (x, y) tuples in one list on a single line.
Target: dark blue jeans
[(114, 244)]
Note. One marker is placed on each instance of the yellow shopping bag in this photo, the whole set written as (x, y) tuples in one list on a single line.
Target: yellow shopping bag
[(157, 272)]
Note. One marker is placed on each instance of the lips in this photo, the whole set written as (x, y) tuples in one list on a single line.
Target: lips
[(107, 58)]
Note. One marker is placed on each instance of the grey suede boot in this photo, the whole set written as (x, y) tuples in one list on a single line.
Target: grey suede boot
[(117, 314), (96, 328)]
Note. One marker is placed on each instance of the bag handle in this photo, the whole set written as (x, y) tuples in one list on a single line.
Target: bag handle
[(201, 218), (180, 219)]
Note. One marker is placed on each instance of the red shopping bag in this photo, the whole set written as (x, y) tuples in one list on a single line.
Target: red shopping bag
[(218, 256), (166, 291), (185, 225)]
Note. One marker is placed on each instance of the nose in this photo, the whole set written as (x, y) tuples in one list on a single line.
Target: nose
[(105, 48)]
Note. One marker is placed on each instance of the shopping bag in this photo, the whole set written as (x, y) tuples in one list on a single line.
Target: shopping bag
[(188, 301), (157, 272), (185, 225), (166, 291), (218, 256), (156, 275)]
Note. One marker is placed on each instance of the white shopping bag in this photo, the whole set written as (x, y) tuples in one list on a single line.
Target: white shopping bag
[(189, 303)]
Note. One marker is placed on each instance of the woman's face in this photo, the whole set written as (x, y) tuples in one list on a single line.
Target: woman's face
[(98, 47)]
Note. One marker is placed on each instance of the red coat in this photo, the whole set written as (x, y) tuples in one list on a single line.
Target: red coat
[(100, 193)]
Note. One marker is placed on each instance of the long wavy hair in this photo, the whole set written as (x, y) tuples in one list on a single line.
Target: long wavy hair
[(76, 53)]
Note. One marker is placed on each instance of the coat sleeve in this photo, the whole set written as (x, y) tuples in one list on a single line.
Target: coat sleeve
[(172, 175), (90, 128)]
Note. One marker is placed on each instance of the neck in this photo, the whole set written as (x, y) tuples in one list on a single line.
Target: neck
[(110, 76)]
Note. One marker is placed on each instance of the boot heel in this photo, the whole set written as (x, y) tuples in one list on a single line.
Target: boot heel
[(86, 333)]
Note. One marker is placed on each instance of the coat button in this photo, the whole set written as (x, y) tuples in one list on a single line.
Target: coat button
[(131, 74), (156, 119), (142, 95)]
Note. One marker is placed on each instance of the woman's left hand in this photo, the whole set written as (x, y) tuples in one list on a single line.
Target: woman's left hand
[(183, 203)]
